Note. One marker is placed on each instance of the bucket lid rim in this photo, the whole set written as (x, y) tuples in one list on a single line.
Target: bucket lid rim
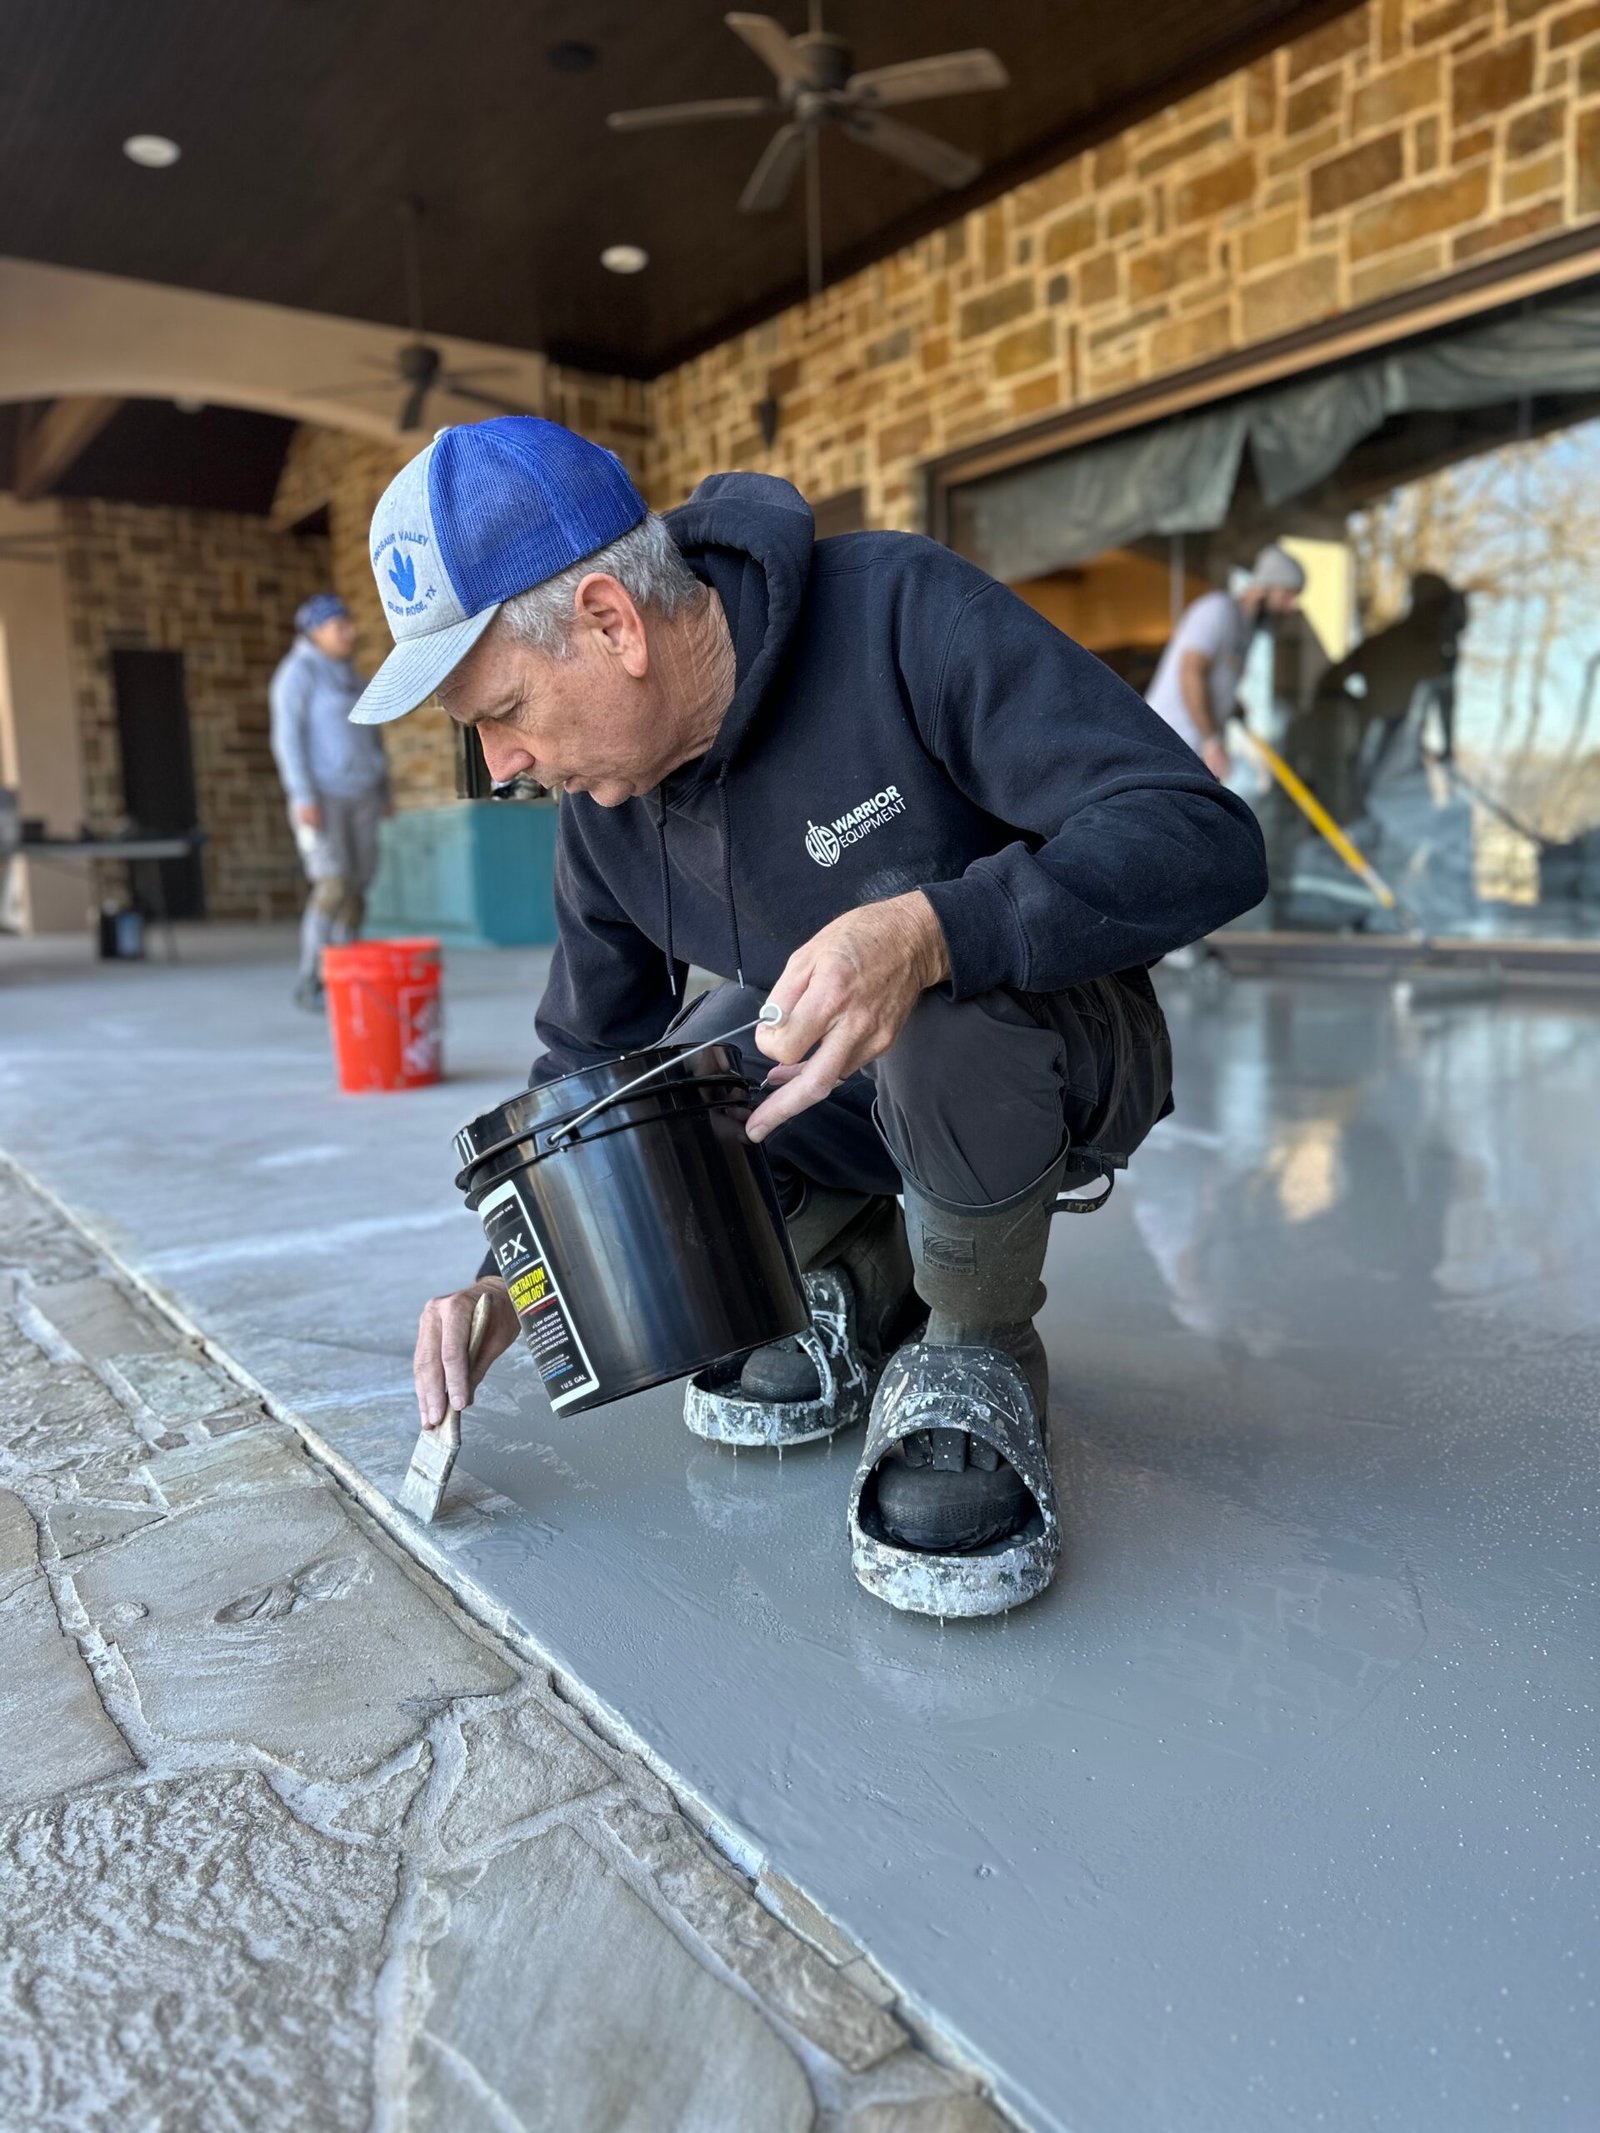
[(418, 944)]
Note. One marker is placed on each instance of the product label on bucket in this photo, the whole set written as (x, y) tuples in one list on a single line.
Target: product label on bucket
[(547, 1328)]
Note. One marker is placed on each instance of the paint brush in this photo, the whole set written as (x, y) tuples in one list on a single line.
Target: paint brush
[(435, 1455)]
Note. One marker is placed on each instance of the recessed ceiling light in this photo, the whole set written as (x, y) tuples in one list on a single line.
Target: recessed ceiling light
[(624, 258), (151, 151)]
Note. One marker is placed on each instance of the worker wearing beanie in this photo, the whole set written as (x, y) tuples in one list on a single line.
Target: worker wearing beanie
[(1196, 686), (335, 779), (857, 778)]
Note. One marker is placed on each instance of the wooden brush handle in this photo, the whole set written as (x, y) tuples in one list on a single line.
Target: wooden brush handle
[(482, 1310)]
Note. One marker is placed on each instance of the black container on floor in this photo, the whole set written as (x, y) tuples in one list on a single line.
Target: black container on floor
[(121, 933), (644, 1246)]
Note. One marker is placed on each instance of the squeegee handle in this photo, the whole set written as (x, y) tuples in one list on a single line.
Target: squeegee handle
[(1319, 818), (769, 1018)]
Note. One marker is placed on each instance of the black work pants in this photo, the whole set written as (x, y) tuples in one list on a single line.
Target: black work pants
[(976, 1098)]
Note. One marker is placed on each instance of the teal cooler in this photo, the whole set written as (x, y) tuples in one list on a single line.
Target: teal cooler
[(477, 874)]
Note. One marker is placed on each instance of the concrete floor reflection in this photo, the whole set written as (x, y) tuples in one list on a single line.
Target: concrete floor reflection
[(1352, 1157)]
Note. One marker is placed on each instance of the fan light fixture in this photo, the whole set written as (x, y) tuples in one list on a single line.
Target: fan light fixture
[(151, 151), (624, 259), (418, 367)]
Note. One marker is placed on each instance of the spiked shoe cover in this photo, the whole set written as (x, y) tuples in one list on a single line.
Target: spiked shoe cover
[(858, 1280), (953, 1510)]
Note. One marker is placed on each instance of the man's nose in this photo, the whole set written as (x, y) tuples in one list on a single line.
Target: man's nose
[(506, 757)]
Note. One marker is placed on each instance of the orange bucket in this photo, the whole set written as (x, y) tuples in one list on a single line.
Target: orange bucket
[(383, 1009)]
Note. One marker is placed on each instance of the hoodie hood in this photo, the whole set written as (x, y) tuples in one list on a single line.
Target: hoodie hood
[(749, 537), (899, 721)]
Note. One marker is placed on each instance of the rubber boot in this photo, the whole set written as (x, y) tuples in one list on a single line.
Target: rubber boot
[(957, 1472), (851, 1248)]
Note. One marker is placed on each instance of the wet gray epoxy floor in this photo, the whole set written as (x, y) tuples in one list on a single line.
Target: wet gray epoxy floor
[(1281, 1809)]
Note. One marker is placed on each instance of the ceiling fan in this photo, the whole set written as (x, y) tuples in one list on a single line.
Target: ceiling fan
[(418, 367), (817, 86)]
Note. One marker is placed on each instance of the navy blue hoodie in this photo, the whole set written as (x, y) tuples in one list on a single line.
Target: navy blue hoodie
[(900, 721)]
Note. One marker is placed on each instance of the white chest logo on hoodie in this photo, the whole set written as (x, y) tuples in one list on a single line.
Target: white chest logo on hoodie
[(827, 841)]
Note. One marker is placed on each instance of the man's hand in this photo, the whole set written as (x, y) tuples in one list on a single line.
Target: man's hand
[(1214, 754), (439, 1368), (845, 998), (308, 815)]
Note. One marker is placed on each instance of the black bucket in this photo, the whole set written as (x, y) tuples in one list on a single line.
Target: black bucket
[(643, 1244)]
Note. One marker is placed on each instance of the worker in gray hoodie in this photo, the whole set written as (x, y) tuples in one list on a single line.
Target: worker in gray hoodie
[(335, 778)]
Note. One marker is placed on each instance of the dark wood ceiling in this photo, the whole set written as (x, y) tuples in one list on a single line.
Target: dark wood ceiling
[(303, 122), (151, 452)]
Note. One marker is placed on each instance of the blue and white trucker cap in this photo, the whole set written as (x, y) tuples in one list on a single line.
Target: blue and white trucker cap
[(487, 511)]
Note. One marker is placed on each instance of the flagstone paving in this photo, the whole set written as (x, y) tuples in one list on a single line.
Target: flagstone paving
[(288, 1841)]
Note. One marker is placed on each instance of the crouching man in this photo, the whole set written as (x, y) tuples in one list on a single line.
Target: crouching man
[(859, 777)]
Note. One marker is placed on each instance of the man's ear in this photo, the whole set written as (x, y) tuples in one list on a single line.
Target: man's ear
[(603, 605)]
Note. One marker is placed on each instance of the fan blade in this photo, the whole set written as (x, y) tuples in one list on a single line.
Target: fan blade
[(771, 43), (415, 400), (482, 399), (951, 167), (769, 182), (950, 74), (718, 107)]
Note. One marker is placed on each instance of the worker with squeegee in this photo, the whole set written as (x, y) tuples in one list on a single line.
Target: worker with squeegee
[(875, 793), (1196, 690)]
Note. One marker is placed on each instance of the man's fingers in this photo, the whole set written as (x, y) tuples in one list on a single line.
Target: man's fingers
[(440, 1366), (789, 991), (799, 1095), (815, 1016), (455, 1323), (808, 1085), (427, 1370)]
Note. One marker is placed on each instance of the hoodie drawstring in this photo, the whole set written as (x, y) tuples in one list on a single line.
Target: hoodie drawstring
[(666, 886), (727, 872)]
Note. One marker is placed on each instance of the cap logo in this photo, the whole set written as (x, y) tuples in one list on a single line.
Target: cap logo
[(408, 598)]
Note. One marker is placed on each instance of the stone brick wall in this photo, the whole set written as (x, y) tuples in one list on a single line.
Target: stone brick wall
[(222, 589), (1394, 144), (1400, 141)]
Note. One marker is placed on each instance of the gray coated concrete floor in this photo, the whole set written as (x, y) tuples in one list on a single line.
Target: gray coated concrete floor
[(1281, 1808)]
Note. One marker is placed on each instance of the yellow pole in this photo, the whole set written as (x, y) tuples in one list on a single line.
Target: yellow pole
[(1319, 818)]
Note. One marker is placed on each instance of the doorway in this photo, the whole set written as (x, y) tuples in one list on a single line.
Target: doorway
[(158, 788)]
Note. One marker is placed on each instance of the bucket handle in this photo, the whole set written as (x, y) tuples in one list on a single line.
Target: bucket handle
[(769, 1018), (512, 1140)]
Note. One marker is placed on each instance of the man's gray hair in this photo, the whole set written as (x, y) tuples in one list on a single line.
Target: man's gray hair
[(645, 562)]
